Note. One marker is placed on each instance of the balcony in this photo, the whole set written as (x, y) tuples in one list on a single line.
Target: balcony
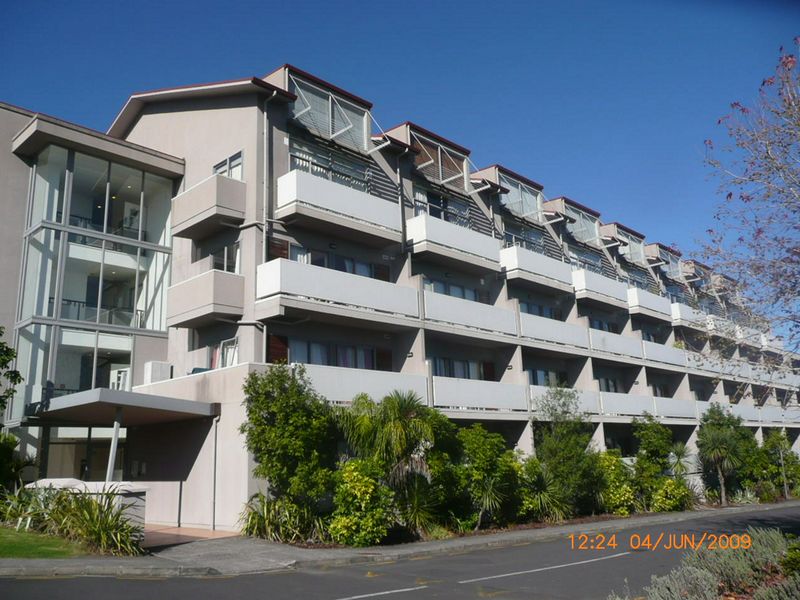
[(720, 327), (626, 405), (771, 343), (282, 283), (748, 336), (204, 298), (771, 414), (340, 384), (474, 395), (593, 286), (588, 401), (646, 303), (470, 314), (613, 343), (681, 409), (747, 413), (453, 243), (684, 315), (664, 354), (524, 264), (203, 208), (324, 204), (552, 331)]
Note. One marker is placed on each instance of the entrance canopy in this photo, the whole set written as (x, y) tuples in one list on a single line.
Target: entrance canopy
[(102, 407)]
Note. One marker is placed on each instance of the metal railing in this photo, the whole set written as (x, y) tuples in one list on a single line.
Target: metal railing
[(445, 214), (79, 310), (302, 163)]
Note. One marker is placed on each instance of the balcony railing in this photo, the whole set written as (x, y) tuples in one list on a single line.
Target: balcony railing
[(362, 181), (304, 195), (520, 261), (664, 353), (428, 233), (468, 313), (593, 285), (204, 298), (672, 407), (686, 316), (614, 343), (552, 331), (473, 394), (79, 310), (333, 288), (207, 206), (341, 384), (626, 404), (640, 300), (588, 401)]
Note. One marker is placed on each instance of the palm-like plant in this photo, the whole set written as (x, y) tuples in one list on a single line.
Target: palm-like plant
[(719, 450), (397, 432), (680, 459)]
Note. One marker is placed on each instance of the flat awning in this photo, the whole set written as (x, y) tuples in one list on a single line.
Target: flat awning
[(100, 407)]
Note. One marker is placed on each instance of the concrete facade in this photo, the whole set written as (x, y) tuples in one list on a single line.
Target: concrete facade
[(380, 262)]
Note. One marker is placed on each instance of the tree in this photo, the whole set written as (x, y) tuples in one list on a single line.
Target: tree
[(720, 441), (290, 431), (11, 376), (756, 239), (680, 460), (652, 457)]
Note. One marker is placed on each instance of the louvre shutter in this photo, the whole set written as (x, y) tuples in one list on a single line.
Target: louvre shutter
[(277, 348)]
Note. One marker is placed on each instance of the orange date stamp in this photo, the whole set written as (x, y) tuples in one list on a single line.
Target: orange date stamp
[(660, 541)]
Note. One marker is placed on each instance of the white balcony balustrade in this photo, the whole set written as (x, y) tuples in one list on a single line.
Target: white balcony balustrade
[(684, 315), (646, 303), (552, 331), (613, 343), (626, 405), (771, 414), (664, 353), (747, 413), (674, 408), (521, 263), (314, 200), (341, 384), (207, 206), (205, 297), (453, 242), (748, 336), (474, 395), (589, 284), (468, 313), (328, 289), (588, 401)]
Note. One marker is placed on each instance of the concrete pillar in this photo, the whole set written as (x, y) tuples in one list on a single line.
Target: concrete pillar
[(760, 436), (411, 352), (112, 452), (683, 391), (514, 371), (638, 383), (526, 444), (598, 441)]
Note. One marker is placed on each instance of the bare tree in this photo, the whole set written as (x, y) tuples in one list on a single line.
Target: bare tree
[(756, 236)]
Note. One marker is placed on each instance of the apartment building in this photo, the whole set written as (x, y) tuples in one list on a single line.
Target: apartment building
[(217, 228)]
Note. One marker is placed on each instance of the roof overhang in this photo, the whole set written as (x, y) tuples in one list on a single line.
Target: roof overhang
[(98, 408), (129, 113), (43, 130)]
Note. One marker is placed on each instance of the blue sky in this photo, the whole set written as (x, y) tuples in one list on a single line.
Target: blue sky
[(606, 102)]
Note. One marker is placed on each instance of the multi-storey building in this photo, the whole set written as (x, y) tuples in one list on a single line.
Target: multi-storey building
[(217, 228)]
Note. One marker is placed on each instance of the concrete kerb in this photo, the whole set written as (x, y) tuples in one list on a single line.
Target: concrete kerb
[(223, 557)]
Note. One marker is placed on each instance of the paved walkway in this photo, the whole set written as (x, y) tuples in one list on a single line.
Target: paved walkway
[(159, 536), (240, 555)]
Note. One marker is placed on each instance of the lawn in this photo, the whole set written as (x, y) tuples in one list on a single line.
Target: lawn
[(27, 544)]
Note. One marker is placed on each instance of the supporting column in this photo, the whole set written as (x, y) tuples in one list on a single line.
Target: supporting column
[(598, 441), (760, 436), (526, 443), (112, 452), (683, 391)]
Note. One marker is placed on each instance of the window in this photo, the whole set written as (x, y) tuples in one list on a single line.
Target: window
[(49, 185), (453, 210), (461, 369), (634, 250), (603, 325), (541, 310), (331, 354), (609, 384), (230, 167), (581, 258), (451, 289), (660, 390), (526, 237), (547, 378)]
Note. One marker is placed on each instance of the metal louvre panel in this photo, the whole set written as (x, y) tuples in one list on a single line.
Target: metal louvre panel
[(348, 125)]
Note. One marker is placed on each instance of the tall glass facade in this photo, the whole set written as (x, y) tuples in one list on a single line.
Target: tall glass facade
[(96, 271)]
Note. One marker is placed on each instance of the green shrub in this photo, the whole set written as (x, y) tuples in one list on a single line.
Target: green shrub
[(766, 491), (682, 583), (280, 520), (745, 496), (618, 497), (672, 495), (790, 588), (364, 506), (542, 497), (790, 563), (96, 520), (652, 457), (737, 569)]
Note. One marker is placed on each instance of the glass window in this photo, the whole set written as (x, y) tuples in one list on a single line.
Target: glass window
[(88, 200), (229, 352), (318, 354), (342, 263), (235, 166), (118, 286), (346, 356), (320, 259), (48, 185), (297, 253), (113, 360), (456, 290), (39, 286), (471, 294), (81, 279), (366, 358), (363, 269), (33, 355), (157, 205), (298, 351), (125, 200)]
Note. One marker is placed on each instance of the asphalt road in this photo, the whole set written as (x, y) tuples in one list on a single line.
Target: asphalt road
[(552, 570)]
